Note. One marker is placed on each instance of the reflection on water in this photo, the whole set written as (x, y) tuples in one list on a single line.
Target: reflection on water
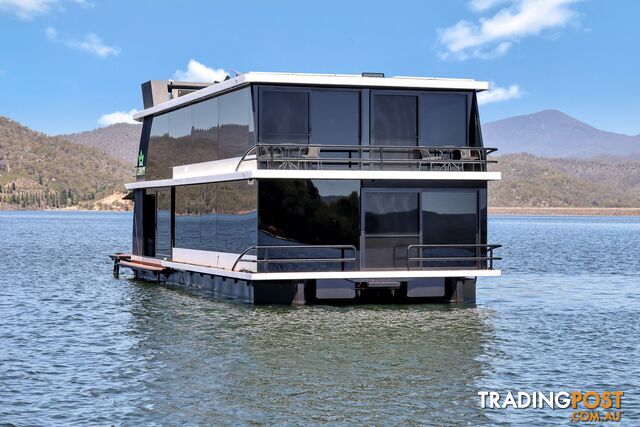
[(79, 346)]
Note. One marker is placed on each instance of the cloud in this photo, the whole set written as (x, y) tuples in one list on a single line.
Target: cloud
[(28, 9), (482, 5), (493, 36), (197, 72), (91, 43), (499, 94), (117, 117)]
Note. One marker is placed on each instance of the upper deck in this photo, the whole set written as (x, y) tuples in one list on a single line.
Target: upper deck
[(310, 124)]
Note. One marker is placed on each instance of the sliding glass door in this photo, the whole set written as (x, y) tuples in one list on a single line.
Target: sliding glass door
[(446, 220)]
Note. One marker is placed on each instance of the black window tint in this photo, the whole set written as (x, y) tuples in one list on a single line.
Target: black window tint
[(235, 123), (216, 217), (444, 119), (284, 116), (204, 131), (391, 213), (180, 136), (187, 214), (159, 150), (449, 216), (388, 251), (395, 119), (335, 117), (163, 223)]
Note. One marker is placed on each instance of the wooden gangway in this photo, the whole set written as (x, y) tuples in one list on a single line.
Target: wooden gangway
[(124, 260)]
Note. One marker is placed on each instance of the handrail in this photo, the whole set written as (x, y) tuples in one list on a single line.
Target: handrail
[(266, 261), (488, 257), (288, 155)]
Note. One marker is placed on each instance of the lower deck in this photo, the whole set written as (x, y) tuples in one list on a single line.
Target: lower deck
[(343, 287)]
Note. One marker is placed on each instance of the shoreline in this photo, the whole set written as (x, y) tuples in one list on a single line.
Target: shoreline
[(552, 211), (493, 210)]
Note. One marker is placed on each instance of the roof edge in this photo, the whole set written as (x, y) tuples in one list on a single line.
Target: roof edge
[(352, 80)]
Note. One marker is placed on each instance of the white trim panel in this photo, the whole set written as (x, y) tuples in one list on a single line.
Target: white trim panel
[(316, 80), (318, 174), (222, 260), (356, 275)]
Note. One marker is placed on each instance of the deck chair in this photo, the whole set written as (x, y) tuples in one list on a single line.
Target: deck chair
[(471, 155), (427, 158), (309, 154)]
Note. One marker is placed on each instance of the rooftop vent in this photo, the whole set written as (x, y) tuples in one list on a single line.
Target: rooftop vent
[(366, 74)]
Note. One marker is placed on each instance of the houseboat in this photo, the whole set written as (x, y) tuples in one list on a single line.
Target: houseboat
[(282, 188)]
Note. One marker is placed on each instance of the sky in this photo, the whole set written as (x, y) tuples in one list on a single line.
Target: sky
[(74, 65)]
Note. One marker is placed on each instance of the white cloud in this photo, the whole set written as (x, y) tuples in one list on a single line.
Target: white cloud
[(118, 117), (197, 72), (499, 94), (28, 9), (482, 5), (493, 36), (91, 43), (51, 33)]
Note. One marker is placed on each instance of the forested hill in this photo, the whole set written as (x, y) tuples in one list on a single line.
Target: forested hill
[(39, 171), (119, 140)]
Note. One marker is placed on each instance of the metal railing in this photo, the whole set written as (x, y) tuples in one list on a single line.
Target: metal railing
[(482, 260), (483, 255), (262, 256), (367, 157)]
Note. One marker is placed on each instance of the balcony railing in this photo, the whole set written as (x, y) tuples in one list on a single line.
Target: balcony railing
[(276, 255), (367, 157), (344, 257), (430, 256)]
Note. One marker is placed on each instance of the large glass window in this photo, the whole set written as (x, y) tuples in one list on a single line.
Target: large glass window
[(180, 136), (444, 119), (284, 116), (335, 117), (235, 123), (159, 150), (163, 223), (450, 218), (216, 217), (389, 212), (204, 131), (187, 216), (395, 120), (391, 223)]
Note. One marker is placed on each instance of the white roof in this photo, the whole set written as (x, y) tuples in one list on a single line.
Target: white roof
[(316, 80)]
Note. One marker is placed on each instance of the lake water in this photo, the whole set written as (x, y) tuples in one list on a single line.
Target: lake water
[(79, 347)]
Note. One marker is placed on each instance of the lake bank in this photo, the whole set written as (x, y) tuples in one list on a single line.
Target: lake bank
[(572, 211)]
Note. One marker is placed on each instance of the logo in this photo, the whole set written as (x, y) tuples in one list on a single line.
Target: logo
[(140, 159), (585, 406)]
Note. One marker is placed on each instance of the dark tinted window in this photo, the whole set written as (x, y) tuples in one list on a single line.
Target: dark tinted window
[(216, 217), (284, 116), (309, 212), (204, 131), (388, 251), (444, 119), (159, 150), (163, 223), (235, 123), (391, 213), (187, 213), (335, 117), (450, 217), (395, 120), (180, 136)]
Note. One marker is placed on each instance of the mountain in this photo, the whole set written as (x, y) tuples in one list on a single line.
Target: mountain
[(119, 140), (552, 133), (532, 181), (39, 171)]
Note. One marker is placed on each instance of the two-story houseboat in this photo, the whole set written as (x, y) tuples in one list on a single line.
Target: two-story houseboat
[(307, 188)]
